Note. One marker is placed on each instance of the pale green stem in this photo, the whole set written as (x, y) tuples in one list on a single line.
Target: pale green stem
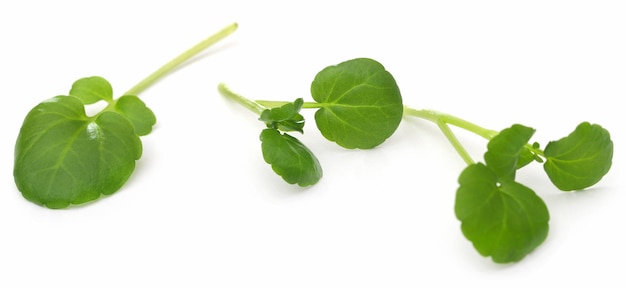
[(435, 117), (251, 105), (272, 104), (258, 106), (168, 67), (455, 142), (442, 119)]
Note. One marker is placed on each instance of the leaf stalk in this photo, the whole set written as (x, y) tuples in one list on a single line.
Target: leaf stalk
[(251, 105), (442, 120), (171, 65)]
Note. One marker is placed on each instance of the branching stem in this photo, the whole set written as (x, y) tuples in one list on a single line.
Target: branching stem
[(442, 120)]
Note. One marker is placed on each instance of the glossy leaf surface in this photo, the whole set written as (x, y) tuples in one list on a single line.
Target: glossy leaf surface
[(361, 103), (581, 159), (289, 158), (63, 157)]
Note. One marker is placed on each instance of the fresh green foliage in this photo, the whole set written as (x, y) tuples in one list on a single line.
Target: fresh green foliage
[(503, 218), (285, 118), (504, 149), (290, 158), (63, 156), (581, 159), (359, 106), (287, 155)]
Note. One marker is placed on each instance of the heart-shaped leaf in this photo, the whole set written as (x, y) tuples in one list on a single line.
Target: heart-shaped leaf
[(63, 157), (502, 218)]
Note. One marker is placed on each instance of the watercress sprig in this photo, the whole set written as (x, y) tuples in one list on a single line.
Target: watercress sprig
[(503, 218), (358, 106), (63, 156), (289, 158)]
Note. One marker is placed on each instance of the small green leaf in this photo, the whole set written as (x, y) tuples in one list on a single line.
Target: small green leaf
[(581, 159), (290, 158), (503, 219), (136, 111), (361, 103), (525, 157), (63, 157), (503, 150), (92, 89), (285, 118)]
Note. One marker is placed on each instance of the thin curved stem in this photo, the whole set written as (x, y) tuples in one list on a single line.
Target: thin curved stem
[(169, 66), (251, 105)]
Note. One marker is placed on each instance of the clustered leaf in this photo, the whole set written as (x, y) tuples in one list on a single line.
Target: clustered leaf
[(289, 158), (63, 156), (507, 220), (285, 118), (503, 218), (359, 106)]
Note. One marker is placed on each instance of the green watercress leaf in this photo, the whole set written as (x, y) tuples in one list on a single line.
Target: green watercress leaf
[(361, 103), (92, 89), (581, 159), (502, 218), (525, 157), (285, 118), (289, 158), (137, 112), (504, 149), (64, 157)]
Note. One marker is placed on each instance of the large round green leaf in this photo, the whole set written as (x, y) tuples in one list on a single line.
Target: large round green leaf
[(63, 157), (361, 103)]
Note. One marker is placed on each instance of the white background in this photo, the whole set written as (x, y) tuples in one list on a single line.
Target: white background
[(202, 208)]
